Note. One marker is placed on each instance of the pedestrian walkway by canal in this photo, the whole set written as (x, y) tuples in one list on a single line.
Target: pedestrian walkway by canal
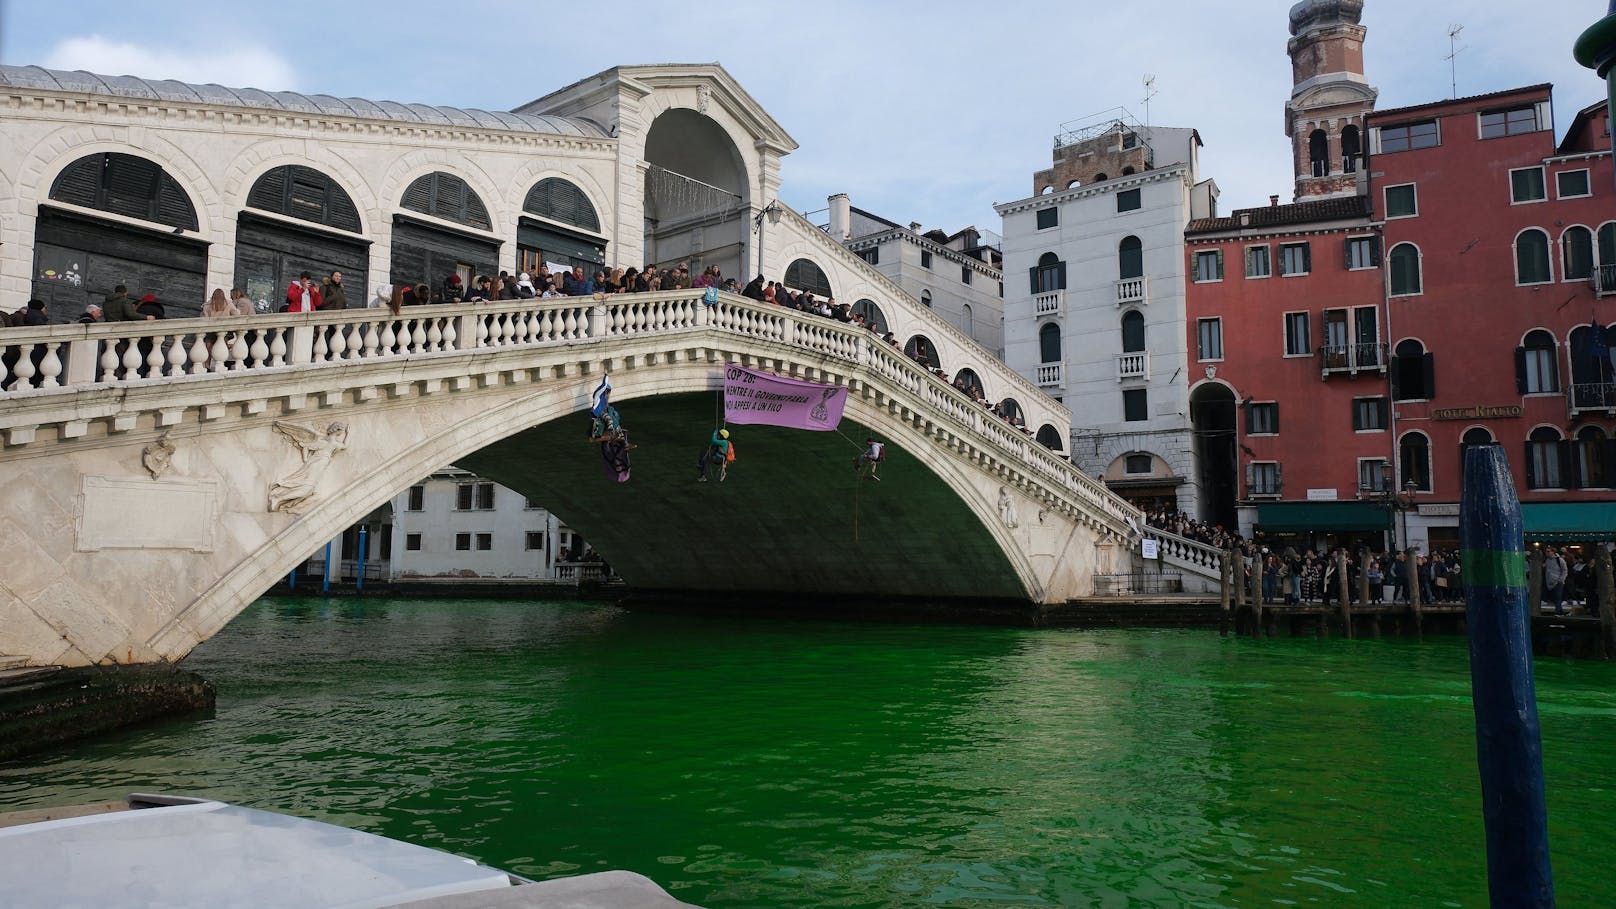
[(757, 763)]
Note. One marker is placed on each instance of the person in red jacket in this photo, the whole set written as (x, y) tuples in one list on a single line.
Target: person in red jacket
[(303, 295)]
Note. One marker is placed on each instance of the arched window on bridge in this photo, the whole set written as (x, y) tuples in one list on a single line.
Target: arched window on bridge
[(925, 299), (448, 197), (79, 257), (967, 381), (1049, 343), (307, 195), (558, 224), (923, 351), (563, 203), (804, 275), (428, 252), (966, 324), (1050, 438), (872, 314), (270, 253), (1010, 409)]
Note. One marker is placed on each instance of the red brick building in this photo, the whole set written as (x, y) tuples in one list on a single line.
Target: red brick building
[(1437, 286), (1500, 259)]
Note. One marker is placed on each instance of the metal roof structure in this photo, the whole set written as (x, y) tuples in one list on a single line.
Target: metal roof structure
[(174, 90)]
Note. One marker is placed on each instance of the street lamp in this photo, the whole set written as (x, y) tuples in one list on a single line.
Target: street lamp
[(772, 211)]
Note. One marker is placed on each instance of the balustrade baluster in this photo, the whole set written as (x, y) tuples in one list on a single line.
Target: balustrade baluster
[(277, 347), (200, 352), (417, 336), (156, 359), (50, 366), (339, 343), (482, 331), (320, 348), (389, 339), (23, 371), (571, 330), (239, 351), (109, 360)]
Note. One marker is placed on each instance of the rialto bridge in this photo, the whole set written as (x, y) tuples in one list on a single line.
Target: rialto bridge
[(147, 464)]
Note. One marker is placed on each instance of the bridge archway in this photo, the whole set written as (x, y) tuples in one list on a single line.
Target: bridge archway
[(697, 193), (872, 314), (1050, 437), (789, 487)]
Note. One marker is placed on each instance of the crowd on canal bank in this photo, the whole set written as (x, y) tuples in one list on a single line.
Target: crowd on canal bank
[(1290, 576)]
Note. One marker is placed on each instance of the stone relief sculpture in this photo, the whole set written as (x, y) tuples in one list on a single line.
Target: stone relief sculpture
[(1007, 509), (294, 490), (157, 457)]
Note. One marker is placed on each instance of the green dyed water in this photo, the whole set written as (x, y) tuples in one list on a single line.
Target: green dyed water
[(779, 764)]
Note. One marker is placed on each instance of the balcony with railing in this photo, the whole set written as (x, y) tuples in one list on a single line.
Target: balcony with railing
[(1589, 397), (1133, 366), (1603, 280), (1049, 303), (1133, 290), (1051, 374), (1351, 359)]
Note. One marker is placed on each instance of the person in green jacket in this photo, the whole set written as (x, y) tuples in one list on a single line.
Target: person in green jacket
[(716, 452)]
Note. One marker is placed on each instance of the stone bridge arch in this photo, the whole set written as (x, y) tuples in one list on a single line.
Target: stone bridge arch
[(980, 513)]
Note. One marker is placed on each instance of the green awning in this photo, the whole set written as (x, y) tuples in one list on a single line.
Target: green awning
[(1300, 517), (1569, 521)]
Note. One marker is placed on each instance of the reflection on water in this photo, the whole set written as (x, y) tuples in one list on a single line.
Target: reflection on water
[(758, 763)]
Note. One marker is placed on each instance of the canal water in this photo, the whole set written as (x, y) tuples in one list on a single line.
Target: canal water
[(745, 762)]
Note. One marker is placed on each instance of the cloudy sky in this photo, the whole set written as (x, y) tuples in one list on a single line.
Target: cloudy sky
[(929, 112)]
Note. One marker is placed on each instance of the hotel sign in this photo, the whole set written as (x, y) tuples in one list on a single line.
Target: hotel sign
[(1478, 412)]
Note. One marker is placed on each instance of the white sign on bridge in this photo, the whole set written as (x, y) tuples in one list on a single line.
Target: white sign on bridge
[(1149, 548)]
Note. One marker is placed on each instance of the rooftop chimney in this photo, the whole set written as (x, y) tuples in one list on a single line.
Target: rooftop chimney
[(1273, 201), (914, 226), (841, 217)]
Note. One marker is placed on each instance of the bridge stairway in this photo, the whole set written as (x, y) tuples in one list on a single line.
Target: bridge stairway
[(1134, 612)]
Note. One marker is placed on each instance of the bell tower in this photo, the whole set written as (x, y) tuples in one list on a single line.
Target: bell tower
[(1330, 98)]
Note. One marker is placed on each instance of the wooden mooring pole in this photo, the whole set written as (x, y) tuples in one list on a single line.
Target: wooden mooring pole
[(1411, 559), (1509, 746), (1606, 587), (1224, 574), (1343, 592)]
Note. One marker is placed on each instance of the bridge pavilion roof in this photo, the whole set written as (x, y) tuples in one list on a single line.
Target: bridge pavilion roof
[(174, 90)]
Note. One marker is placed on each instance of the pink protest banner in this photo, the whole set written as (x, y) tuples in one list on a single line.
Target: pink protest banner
[(757, 397)]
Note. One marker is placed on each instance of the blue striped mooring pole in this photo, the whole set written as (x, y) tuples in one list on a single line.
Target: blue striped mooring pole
[(1509, 749)]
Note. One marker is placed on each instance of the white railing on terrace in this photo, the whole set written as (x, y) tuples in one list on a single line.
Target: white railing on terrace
[(1133, 366), (1133, 290), (1048, 303), (1050, 374), (37, 364)]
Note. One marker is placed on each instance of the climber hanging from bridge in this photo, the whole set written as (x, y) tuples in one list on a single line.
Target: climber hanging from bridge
[(606, 428), (871, 458), (715, 457)]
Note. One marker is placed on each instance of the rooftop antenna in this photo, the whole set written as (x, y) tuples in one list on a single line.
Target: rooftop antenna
[(1453, 56), (1150, 92)]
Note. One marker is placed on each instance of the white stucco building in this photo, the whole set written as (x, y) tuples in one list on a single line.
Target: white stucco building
[(959, 276), (455, 524), (1094, 299)]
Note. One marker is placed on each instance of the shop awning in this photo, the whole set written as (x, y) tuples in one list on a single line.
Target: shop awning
[(1301, 517), (1569, 522)]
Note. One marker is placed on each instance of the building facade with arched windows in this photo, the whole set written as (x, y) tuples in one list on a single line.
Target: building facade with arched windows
[(1446, 277), (1094, 300)]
